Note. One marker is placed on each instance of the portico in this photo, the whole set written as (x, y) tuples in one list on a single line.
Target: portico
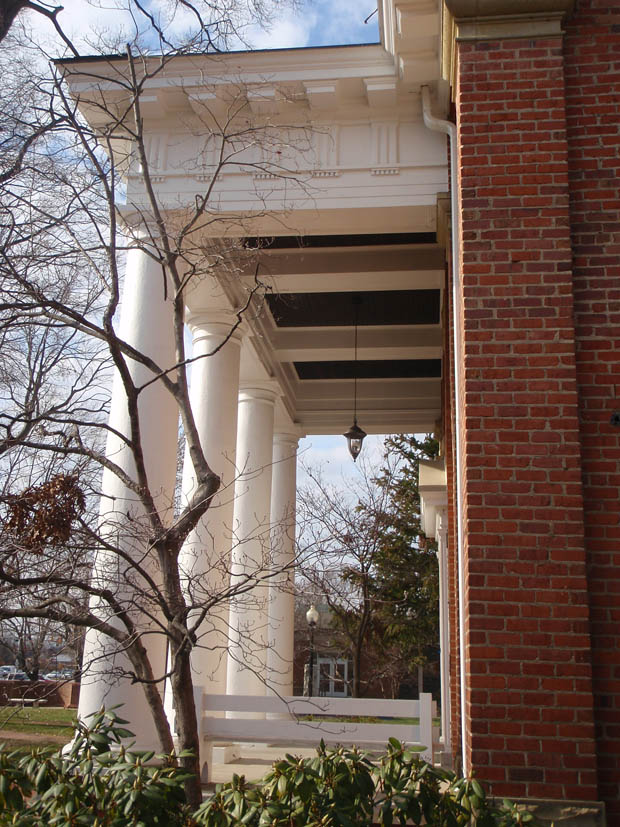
[(337, 189), (337, 186)]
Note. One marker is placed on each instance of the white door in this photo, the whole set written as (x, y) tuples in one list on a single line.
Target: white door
[(333, 677)]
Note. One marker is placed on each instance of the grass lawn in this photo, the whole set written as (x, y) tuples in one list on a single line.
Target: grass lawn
[(9, 745), (40, 722), (365, 719), (413, 721)]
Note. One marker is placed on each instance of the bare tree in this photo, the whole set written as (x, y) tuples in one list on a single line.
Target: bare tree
[(26, 639), (347, 545), (214, 22), (338, 546), (65, 230)]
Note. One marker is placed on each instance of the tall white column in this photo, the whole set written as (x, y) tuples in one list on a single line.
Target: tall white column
[(251, 551), (205, 561), (145, 323), (444, 625), (281, 595)]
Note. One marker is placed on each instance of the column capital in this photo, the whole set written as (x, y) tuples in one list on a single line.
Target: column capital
[(260, 391), (441, 521), (281, 437), (213, 322)]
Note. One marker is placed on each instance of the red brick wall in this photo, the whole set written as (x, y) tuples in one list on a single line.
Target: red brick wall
[(528, 673), (54, 694), (592, 70)]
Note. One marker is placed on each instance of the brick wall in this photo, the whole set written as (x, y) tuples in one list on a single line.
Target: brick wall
[(592, 70), (529, 702), (53, 693)]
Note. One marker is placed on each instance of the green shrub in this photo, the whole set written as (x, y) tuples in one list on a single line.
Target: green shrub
[(100, 783), (97, 782), (342, 788)]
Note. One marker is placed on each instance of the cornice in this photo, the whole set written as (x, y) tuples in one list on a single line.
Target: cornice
[(510, 27), (264, 66), (504, 19), (467, 9)]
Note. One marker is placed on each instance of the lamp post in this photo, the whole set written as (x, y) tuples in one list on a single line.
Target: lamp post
[(312, 618)]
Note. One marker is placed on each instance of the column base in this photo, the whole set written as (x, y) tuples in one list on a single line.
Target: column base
[(445, 759), (226, 753)]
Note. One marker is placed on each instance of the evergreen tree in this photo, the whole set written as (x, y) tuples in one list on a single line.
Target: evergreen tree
[(366, 557), (406, 579)]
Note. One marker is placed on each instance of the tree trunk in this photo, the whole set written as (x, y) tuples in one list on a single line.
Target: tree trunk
[(9, 9), (140, 661), (181, 679), (357, 669), (186, 720), (156, 706)]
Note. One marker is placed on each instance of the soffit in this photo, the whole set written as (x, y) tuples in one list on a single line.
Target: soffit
[(305, 336)]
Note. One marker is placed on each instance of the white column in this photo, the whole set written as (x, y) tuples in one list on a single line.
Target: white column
[(444, 625), (146, 323), (205, 560), (281, 596), (251, 551)]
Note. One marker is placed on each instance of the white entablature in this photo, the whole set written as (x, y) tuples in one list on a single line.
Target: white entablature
[(317, 131)]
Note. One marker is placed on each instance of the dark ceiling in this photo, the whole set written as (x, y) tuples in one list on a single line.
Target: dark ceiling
[(370, 369), (381, 307), (378, 308)]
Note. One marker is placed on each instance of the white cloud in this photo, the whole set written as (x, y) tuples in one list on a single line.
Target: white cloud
[(83, 23), (316, 23), (331, 454), (286, 33), (342, 21)]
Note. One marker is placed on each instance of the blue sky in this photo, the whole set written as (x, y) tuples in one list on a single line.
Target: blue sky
[(314, 23), (336, 23), (322, 23)]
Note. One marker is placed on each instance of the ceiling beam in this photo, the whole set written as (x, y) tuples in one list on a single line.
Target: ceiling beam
[(388, 421), (336, 344), (413, 392)]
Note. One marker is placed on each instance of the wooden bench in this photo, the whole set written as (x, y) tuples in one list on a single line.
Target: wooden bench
[(284, 721), (35, 702)]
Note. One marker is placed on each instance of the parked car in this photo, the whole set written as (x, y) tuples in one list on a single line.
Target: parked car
[(59, 675), (17, 675)]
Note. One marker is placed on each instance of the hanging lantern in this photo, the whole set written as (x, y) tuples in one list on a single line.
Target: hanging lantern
[(355, 435)]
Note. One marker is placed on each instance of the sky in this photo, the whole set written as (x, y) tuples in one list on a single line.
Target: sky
[(331, 455), (297, 23), (322, 23)]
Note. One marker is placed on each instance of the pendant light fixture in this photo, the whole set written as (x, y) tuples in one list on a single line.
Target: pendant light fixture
[(355, 435)]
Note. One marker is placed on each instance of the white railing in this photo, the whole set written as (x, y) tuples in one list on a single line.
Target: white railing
[(289, 727)]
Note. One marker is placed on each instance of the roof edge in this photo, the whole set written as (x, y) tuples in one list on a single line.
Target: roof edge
[(114, 57)]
